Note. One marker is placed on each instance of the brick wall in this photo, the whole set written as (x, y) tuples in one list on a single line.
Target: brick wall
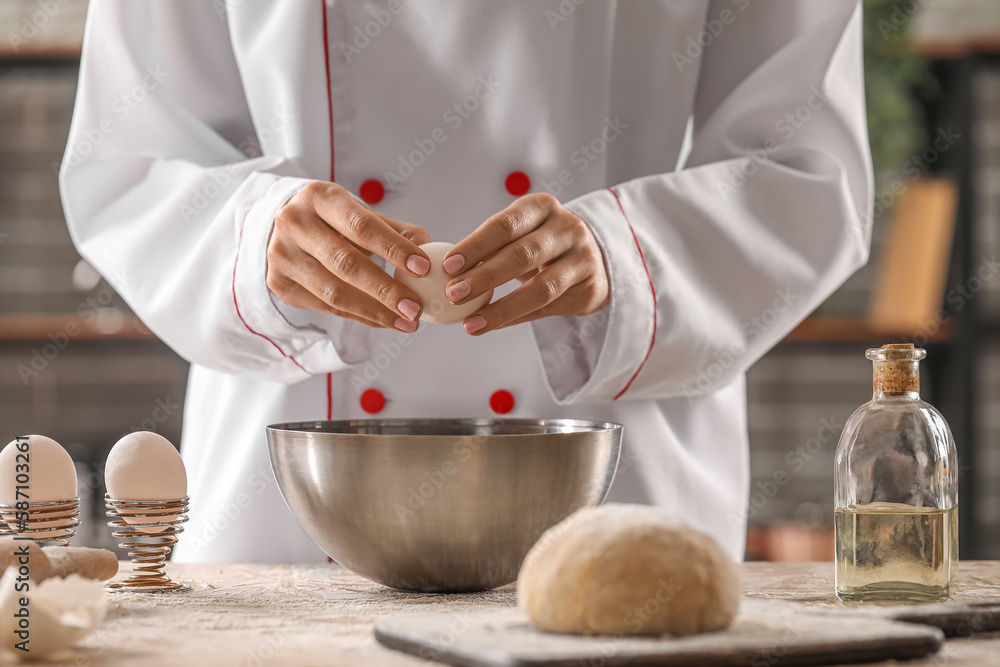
[(799, 400), (986, 93), (37, 258)]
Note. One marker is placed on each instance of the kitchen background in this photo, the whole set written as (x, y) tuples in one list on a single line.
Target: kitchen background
[(76, 365)]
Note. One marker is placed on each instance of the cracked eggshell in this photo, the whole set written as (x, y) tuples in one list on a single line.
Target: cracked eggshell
[(438, 309), (145, 466), (49, 473), (62, 611)]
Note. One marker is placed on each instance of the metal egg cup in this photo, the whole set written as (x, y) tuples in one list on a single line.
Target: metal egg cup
[(55, 515), (148, 550)]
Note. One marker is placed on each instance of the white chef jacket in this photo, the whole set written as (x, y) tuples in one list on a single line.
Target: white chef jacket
[(195, 122)]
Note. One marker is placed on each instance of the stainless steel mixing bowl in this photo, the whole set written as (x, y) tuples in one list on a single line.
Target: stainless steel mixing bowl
[(442, 505)]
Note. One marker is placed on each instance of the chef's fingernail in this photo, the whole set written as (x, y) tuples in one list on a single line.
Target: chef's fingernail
[(453, 264), (408, 308), (459, 291), (418, 265), (474, 324), (406, 326)]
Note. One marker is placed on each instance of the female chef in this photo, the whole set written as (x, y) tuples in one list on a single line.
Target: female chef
[(244, 172)]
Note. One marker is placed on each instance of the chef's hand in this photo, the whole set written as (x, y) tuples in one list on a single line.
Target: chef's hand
[(319, 258), (539, 242)]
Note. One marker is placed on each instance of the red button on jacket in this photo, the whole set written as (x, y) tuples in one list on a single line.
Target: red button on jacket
[(372, 191), (502, 401), (517, 183), (372, 401)]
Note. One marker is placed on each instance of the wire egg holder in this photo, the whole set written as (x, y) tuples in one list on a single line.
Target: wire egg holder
[(49, 523), (147, 549)]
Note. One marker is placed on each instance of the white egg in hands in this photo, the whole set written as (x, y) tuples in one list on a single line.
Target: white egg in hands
[(43, 472), (438, 309), (145, 466)]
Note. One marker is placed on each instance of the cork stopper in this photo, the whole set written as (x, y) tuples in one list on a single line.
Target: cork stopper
[(896, 368)]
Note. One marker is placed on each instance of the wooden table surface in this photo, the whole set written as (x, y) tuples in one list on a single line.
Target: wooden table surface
[(255, 615)]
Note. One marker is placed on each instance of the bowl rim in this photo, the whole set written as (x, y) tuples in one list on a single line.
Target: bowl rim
[(310, 427)]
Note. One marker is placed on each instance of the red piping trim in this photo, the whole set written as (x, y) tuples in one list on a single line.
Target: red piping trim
[(329, 106), (329, 396), (329, 92), (237, 305), (652, 289)]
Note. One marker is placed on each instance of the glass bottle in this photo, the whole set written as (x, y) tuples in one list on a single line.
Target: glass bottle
[(896, 480)]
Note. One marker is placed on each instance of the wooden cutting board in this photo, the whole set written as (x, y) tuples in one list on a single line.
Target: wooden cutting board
[(766, 632)]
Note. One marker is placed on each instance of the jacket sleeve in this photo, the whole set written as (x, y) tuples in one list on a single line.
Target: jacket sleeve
[(167, 193), (713, 264)]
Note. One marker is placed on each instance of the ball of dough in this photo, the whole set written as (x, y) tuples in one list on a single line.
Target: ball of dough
[(438, 309), (628, 569)]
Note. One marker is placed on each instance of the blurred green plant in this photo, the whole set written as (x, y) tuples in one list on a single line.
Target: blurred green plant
[(897, 84)]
